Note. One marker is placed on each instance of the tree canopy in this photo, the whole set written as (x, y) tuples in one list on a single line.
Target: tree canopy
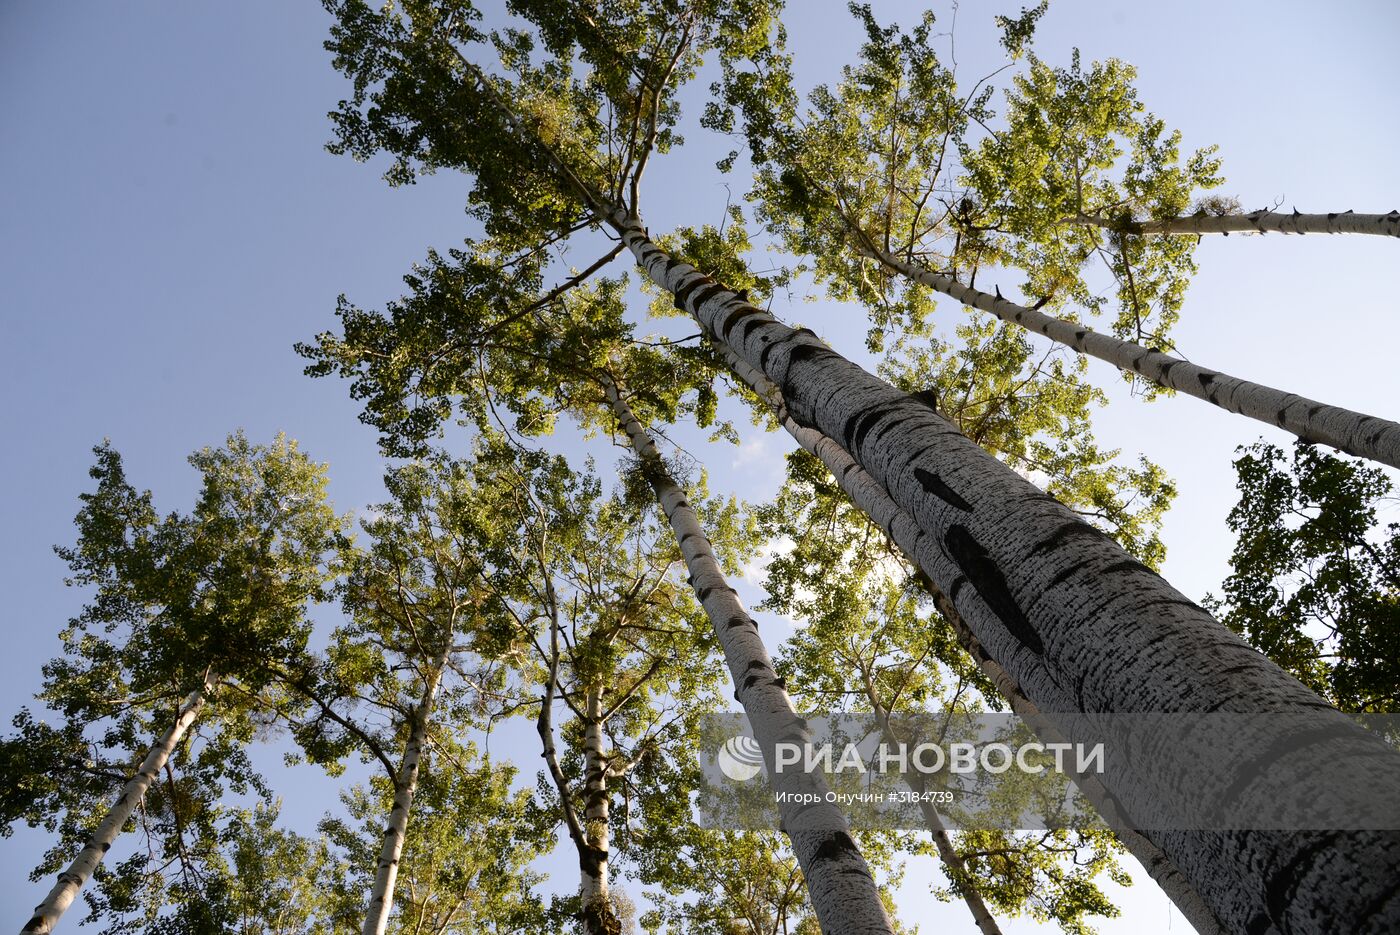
[(553, 569)]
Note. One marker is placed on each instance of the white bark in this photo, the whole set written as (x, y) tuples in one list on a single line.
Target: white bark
[(839, 883), (381, 899), (1353, 432), (598, 911), (71, 880), (590, 836), (1256, 222), (1082, 627), (872, 500)]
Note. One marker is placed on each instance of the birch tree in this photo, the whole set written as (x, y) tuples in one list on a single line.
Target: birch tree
[(902, 530), (272, 880), (465, 866), (868, 645), (418, 658), (1076, 624), (883, 182), (186, 607), (592, 584), (716, 883), (1215, 217)]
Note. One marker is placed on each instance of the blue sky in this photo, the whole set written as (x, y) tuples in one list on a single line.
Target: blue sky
[(170, 224)]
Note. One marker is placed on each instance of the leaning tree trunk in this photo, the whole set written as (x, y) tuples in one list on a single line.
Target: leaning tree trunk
[(1084, 628), (1353, 432), (1257, 222), (839, 883), (48, 912), (599, 917), (872, 500), (381, 898), (938, 831)]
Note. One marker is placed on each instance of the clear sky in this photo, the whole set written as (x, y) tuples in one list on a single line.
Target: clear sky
[(170, 224)]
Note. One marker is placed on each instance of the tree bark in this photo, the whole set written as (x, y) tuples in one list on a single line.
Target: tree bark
[(599, 918), (872, 500), (381, 899), (1084, 628), (1352, 432), (1256, 222), (71, 880), (839, 883), (590, 840)]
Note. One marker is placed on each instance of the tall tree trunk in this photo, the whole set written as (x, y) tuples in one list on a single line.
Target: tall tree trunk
[(1353, 432), (381, 898), (1260, 222), (590, 836), (938, 831), (599, 917), (1082, 627), (48, 912), (839, 883), (872, 500)]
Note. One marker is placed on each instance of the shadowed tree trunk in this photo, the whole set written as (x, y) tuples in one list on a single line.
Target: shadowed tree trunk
[(1082, 627), (872, 500), (1353, 432), (381, 899), (71, 880), (1256, 222), (839, 883)]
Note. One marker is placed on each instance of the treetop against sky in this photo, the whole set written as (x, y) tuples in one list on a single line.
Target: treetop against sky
[(180, 227)]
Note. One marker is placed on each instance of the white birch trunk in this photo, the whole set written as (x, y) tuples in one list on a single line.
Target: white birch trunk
[(1082, 627), (381, 899), (1256, 222), (839, 883), (1353, 432), (598, 914), (71, 880), (872, 500)]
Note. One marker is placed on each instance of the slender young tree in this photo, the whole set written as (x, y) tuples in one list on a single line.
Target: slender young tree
[(591, 583), (820, 836), (719, 882), (1310, 420), (1079, 625), (418, 657), (186, 607), (273, 881), (464, 866)]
